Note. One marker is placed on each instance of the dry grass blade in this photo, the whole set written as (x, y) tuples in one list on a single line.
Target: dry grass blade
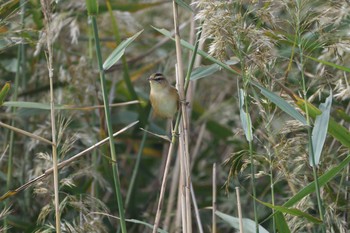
[(26, 133), (4, 153), (62, 164), (165, 137)]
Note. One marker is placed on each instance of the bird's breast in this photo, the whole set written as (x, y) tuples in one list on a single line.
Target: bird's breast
[(164, 103)]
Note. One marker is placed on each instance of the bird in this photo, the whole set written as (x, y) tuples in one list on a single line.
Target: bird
[(163, 96)]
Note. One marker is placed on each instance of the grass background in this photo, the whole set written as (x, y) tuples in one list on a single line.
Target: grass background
[(278, 53)]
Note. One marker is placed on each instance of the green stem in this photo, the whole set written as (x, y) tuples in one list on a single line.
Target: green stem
[(246, 80), (252, 169), (311, 151), (193, 58), (137, 165), (126, 76), (19, 72), (309, 130), (109, 126)]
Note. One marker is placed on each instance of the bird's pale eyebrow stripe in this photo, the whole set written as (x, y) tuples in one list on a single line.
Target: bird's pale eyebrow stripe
[(158, 76)]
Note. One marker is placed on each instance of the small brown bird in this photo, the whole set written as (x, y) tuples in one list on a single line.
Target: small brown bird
[(164, 97)]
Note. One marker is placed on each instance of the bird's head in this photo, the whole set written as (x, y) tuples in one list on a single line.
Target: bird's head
[(158, 81)]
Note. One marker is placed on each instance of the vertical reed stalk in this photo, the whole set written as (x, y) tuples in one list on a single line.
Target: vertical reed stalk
[(214, 200), (109, 126), (164, 182), (182, 94), (184, 122), (47, 15), (239, 208), (172, 194)]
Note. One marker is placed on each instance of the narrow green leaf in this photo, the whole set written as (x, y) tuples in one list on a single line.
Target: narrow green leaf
[(248, 224), (4, 91), (338, 131), (292, 211), (45, 106), (34, 105), (9, 65), (342, 115), (281, 103), (92, 7), (204, 71), (343, 68), (200, 52), (245, 117), (281, 223), (184, 5), (130, 7), (119, 51), (150, 226), (324, 179), (319, 132)]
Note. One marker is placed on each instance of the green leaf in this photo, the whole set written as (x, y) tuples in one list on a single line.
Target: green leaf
[(130, 6), (324, 179), (119, 51), (281, 223), (9, 65), (292, 211), (145, 224), (319, 132), (343, 115), (281, 103), (338, 131), (184, 5), (42, 106), (248, 224), (34, 105), (204, 71), (200, 52), (245, 117), (4, 91), (343, 68), (92, 7)]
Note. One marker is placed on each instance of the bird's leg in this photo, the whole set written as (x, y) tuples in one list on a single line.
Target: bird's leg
[(173, 132), (172, 128), (186, 103)]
